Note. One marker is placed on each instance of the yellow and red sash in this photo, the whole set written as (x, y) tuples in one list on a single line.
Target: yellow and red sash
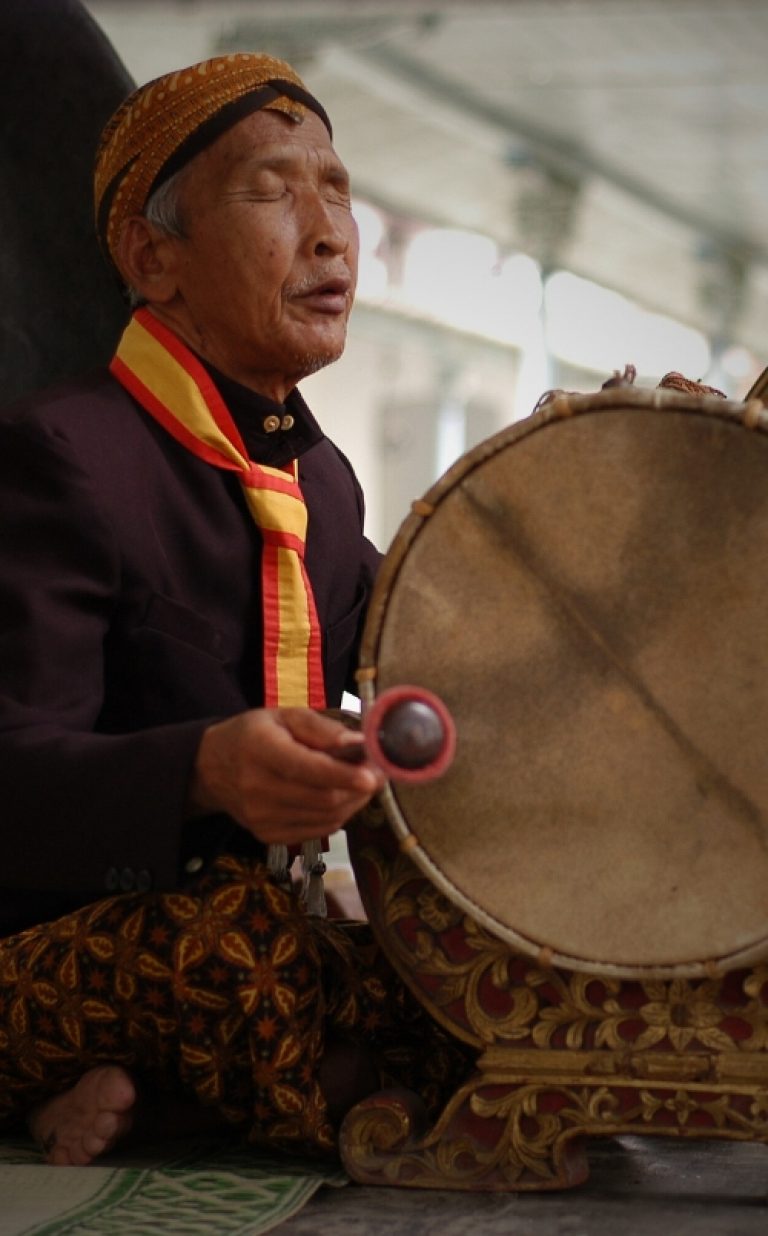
[(172, 386)]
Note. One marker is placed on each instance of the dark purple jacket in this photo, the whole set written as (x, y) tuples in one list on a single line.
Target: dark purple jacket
[(129, 620)]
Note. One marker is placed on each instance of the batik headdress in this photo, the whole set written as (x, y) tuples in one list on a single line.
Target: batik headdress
[(165, 123)]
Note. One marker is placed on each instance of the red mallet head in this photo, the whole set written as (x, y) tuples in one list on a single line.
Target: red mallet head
[(410, 734)]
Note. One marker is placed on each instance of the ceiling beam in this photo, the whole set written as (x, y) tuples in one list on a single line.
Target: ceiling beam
[(561, 156)]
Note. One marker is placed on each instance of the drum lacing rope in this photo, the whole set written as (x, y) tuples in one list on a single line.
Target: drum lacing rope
[(754, 415), (420, 507)]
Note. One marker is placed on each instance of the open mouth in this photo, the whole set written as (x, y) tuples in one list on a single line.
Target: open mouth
[(330, 296)]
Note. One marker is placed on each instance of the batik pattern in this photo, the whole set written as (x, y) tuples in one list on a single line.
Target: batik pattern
[(224, 992)]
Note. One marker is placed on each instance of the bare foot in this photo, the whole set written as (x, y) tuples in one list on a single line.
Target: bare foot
[(75, 1127)]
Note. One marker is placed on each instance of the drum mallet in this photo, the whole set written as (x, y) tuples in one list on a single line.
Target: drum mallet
[(409, 734)]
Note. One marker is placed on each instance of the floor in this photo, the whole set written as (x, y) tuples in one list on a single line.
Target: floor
[(637, 1187)]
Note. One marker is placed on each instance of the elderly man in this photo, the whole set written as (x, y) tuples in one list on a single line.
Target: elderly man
[(183, 574)]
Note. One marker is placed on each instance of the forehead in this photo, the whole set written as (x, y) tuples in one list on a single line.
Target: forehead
[(268, 136)]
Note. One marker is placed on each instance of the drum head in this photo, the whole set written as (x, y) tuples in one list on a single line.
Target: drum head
[(589, 598)]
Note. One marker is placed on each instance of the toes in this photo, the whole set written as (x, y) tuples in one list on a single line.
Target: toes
[(116, 1091), (91, 1147), (108, 1127), (104, 1126), (86, 1121), (78, 1155), (66, 1156)]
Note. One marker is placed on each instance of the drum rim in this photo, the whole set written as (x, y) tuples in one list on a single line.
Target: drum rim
[(543, 955), (751, 415)]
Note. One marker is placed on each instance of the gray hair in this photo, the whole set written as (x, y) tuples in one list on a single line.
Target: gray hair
[(163, 210)]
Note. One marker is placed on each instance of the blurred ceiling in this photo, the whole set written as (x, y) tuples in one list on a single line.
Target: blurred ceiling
[(624, 139)]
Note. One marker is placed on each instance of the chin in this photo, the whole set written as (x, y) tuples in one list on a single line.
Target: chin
[(317, 353), (311, 362)]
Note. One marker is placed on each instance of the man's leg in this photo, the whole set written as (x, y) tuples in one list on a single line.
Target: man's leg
[(210, 994), (225, 994)]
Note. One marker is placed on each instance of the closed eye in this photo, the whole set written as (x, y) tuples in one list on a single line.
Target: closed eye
[(336, 189), (266, 185)]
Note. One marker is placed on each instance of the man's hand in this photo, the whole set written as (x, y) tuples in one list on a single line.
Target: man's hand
[(273, 770)]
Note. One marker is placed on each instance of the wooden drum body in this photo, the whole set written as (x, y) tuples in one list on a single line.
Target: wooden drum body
[(581, 893)]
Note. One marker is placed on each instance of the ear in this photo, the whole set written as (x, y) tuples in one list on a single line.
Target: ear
[(147, 259)]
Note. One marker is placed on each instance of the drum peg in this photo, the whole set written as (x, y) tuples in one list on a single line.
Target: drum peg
[(409, 733), (627, 378)]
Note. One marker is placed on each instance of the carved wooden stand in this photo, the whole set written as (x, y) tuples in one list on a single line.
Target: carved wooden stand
[(561, 1055)]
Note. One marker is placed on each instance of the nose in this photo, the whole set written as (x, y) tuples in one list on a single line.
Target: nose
[(333, 228)]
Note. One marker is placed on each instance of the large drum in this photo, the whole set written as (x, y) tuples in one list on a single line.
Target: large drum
[(587, 592)]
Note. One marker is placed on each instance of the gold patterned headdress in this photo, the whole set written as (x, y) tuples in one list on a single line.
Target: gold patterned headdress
[(163, 124)]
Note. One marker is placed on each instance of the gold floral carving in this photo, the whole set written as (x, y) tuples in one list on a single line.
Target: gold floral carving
[(561, 1055), (531, 1135), (547, 1007)]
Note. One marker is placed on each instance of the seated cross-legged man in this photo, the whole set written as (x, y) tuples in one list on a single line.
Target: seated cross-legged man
[(183, 578)]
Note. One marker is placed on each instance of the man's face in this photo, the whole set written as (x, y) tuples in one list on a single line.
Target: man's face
[(266, 271)]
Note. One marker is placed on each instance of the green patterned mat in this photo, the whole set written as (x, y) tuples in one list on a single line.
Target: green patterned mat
[(185, 1188)]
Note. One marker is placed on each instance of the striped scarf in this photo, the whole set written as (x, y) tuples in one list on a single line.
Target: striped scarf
[(171, 384)]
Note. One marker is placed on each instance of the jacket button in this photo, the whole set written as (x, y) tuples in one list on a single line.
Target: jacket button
[(144, 881), (271, 423), (193, 865), (127, 879), (112, 880)]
